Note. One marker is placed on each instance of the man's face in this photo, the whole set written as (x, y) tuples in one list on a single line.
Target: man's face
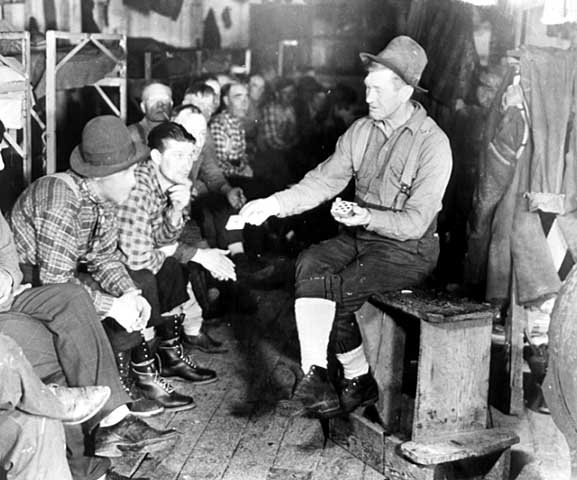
[(237, 101), (216, 87), (195, 124), (116, 188), (205, 103), (383, 93), (175, 162), (256, 87), (157, 103)]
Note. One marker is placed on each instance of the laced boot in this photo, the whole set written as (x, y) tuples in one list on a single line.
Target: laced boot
[(313, 396), (140, 405), (360, 391), (153, 385), (171, 358)]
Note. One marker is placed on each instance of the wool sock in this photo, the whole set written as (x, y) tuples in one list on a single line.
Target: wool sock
[(236, 248), (354, 362), (314, 319), (148, 334)]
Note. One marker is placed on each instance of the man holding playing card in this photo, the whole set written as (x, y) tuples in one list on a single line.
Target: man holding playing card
[(401, 162)]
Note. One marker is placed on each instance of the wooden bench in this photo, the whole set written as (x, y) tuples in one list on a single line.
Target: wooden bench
[(433, 426)]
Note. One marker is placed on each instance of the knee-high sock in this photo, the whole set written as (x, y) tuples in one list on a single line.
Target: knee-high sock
[(354, 362), (314, 319)]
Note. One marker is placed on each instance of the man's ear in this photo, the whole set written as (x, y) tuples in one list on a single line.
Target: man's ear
[(142, 107), (226, 101), (406, 93), (155, 156)]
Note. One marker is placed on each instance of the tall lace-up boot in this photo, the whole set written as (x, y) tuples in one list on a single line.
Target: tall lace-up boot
[(171, 357), (140, 405), (149, 381)]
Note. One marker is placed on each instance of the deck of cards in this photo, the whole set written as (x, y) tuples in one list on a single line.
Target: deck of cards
[(342, 208)]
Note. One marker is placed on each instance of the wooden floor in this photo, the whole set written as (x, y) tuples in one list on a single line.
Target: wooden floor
[(235, 433)]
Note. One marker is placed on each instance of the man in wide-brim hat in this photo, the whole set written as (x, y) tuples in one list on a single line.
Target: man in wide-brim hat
[(401, 162), (65, 232)]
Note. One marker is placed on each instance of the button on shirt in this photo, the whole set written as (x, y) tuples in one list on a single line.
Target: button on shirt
[(56, 229)]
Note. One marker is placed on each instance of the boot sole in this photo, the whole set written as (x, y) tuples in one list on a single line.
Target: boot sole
[(195, 382), (114, 450), (150, 413), (181, 408)]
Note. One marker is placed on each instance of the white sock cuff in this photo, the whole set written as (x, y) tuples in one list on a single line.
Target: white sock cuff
[(354, 362), (148, 333), (235, 248), (314, 319)]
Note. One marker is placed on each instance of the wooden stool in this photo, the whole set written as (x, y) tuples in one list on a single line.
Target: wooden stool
[(442, 433)]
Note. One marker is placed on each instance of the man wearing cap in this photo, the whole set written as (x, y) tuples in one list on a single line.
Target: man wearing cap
[(401, 162)]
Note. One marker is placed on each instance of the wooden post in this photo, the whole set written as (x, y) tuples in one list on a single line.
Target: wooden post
[(50, 101)]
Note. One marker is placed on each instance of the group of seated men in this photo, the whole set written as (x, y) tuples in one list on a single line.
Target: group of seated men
[(113, 268)]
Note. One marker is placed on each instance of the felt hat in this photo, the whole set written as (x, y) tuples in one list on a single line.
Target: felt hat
[(403, 56), (106, 148)]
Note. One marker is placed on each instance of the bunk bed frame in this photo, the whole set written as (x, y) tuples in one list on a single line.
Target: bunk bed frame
[(53, 65), (20, 142)]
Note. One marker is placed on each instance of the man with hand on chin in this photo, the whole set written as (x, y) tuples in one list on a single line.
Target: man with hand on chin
[(401, 162), (150, 223)]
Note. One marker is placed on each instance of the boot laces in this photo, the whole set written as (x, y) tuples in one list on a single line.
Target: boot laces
[(163, 383), (186, 359)]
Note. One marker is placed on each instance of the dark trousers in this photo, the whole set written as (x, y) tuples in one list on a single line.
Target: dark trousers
[(212, 211), (348, 270), (62, 336), (163, 291)]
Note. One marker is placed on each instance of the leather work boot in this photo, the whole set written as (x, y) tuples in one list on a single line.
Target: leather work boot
[(158, 389), (131, 435), (174, 363), (80, 403), (313, 396), (360, 391), (203, 342), (140, 405)]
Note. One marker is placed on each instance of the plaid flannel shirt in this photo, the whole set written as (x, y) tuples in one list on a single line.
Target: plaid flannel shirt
[(278, 129), (143, 226), (230, 143), (57, 229)]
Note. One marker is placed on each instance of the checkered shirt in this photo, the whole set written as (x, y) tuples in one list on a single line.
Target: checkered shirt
[(278, 128), (142, 222), (230, 143), (57, 229)]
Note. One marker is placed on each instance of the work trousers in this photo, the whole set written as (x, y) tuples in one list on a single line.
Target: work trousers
[(62, 336), (348, 270), (163, 291), (32, 442)]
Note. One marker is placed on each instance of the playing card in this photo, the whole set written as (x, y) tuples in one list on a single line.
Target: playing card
[(235, 222)]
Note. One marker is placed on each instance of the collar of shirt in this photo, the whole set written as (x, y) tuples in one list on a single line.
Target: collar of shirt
[(415, 119)]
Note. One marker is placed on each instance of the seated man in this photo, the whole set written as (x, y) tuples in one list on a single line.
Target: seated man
[(401, 161), (32, 444), (156, 104), (63, 337), (65, 229), (150, 222)]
